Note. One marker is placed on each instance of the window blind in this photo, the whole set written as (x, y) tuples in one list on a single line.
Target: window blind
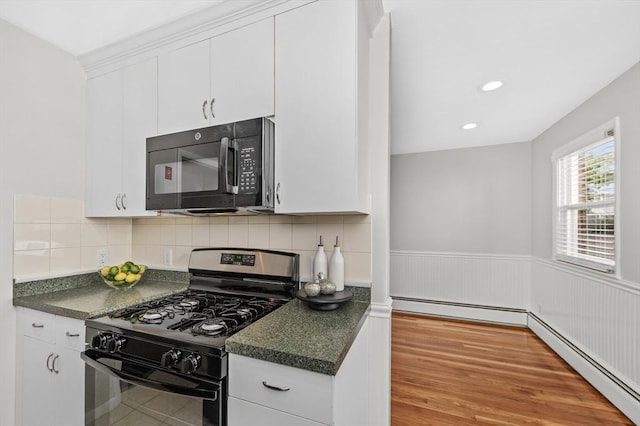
[(585, 205)]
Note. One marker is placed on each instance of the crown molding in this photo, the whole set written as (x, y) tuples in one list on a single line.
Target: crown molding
[(197, 26)]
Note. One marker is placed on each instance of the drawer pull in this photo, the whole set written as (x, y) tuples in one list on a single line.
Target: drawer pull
[(277, 388), (70, 334), (37, 325)]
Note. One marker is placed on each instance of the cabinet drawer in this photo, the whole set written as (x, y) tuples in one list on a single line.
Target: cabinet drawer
[(309, 394), (242, 413), (39, 325), (70, 333)]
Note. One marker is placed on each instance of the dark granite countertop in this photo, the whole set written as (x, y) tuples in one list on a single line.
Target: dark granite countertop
[(86, 296), (298, 336)]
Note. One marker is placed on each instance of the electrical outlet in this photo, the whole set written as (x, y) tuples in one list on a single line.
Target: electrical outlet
[(102, 257), (168, 256)]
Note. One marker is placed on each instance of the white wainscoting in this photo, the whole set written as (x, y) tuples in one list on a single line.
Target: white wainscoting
[(588, 318), (481, 287), (598, 316)]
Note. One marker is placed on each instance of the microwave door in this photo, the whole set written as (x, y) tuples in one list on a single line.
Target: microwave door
[(198, 171)]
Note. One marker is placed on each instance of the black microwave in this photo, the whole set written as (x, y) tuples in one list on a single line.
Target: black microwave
[(226, 168)]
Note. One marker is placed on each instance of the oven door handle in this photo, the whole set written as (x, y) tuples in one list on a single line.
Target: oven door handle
[(90, 357)]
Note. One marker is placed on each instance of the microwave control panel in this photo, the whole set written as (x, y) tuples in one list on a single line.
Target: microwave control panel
[(249, 173)]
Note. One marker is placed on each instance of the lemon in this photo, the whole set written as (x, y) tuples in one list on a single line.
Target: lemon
[(142, 269), (105, 271), (131, 278), (120, 276)]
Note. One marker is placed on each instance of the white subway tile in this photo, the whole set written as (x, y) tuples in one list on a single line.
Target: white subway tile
[(65, 235), (239, 235), (120, 253), (89, 258), (357, 266), (330, 219), (219, 235), (31, 236), (258, 219), (200, 235), (66, 260), (280, 236), (259, 235), (181, 257), (31, 263), (238, 220), (279, 218), (184, 235), (65, 210), (304, 236), (329, 231), (119, 233), (94, 234), (357, 238), (219, 220)]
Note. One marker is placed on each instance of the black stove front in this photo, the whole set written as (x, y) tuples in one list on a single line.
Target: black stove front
[(176, 344)]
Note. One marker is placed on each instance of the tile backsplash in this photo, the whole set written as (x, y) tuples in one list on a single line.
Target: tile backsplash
[(153, 237), (53, 238)]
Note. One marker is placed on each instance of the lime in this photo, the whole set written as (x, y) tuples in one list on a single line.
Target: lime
[(134, 269), (113, 270), (125, 268)]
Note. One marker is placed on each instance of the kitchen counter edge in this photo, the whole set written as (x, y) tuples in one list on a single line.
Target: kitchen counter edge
[(298, 336)]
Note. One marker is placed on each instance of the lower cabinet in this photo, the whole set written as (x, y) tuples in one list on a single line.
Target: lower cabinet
[(51, 380), (266, 393)]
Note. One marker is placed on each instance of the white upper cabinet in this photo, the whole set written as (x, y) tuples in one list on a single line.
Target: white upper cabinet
[(226, 78), (121, 114), (321, 87)]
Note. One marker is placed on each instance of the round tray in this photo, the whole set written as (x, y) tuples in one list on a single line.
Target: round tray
[(325, 302)]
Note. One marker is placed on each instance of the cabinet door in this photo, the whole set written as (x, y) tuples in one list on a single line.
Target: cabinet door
[(183, 89), (140, 121), (68, 388), (242, 73), (38, 394), (316, 121), (104, 145)]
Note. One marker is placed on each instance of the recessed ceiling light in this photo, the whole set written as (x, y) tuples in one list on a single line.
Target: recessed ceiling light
[(492, 85), (470, 126)]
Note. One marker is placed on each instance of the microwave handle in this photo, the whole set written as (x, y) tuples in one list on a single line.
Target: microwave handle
[(229, 187)]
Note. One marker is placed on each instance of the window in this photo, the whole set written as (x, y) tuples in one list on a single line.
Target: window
[(586, 181)]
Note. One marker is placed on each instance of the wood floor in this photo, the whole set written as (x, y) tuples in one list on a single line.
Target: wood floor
[(447, 372)]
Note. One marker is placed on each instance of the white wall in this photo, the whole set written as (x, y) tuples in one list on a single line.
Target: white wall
[(573, 309), (598, 313), (472, 200), (461, 231), (42, 148)]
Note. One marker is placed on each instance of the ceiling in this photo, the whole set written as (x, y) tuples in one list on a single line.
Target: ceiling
[(551, 55)]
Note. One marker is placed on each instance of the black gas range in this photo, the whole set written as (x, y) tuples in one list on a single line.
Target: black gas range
[(176, 344)]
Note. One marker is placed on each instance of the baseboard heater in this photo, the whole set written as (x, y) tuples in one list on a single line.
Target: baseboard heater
[(460, 305), (595, 364)]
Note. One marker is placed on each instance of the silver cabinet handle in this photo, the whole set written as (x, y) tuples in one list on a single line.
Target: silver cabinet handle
[(49, 359), (37, 325), (276, 388), (53, 364), (278, 193), (118, 202), (211, 107), (204, 105), (70, 334), (122, 201)]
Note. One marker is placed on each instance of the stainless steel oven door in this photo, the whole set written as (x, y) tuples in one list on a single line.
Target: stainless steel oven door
[(128, 392)]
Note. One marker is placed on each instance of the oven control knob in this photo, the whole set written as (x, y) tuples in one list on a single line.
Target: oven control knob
[(170, 358), (99, 341), (190, 364), (116, 344)]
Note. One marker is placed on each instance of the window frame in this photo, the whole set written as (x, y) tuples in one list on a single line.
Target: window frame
[(593, 136)]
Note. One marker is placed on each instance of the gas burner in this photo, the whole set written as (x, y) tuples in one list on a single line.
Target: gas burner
[(211, 327), (184, 305), (155, 316)]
